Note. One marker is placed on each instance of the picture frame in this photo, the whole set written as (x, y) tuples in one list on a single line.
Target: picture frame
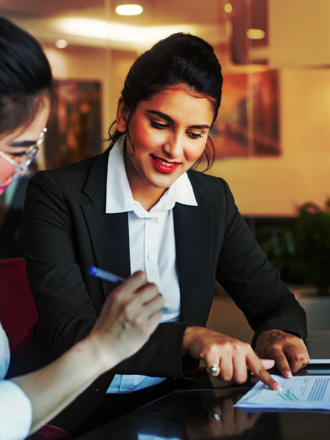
[(248, 120), (75, 127)]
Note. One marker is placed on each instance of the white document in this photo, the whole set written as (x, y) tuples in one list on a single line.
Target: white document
[(300, 392)]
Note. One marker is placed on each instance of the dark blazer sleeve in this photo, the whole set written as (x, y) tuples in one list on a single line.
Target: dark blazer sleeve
[(244, 271), (66, 310)]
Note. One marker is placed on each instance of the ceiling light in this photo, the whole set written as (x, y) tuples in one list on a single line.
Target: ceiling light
[(101, 29), (129, 10), (228, 8), (255, 34), (61, 44)]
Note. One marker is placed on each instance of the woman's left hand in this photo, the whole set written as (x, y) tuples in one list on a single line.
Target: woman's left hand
[(288, 351)]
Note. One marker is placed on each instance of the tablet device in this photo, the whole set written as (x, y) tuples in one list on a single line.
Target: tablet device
[(317, 369), (319, 350)]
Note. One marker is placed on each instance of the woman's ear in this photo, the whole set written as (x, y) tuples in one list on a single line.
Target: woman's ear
[(122, 116)]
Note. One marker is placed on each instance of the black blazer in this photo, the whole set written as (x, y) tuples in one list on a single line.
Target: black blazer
[(67, 230)]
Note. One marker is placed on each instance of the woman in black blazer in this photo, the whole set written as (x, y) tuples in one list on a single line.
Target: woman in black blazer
[(94, 213)]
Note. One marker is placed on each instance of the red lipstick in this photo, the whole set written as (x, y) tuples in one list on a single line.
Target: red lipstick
[(164, 165)]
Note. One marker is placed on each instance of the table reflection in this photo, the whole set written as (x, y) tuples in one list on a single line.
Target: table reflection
[(222, 419), (192, 415)]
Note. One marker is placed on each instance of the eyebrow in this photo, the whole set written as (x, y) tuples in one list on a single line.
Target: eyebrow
[(23, 144), (170, 120)]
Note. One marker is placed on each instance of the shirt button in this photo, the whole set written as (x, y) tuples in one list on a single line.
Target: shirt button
[(151, 257)]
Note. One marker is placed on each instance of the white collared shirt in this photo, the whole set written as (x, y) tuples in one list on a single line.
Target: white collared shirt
[(151, 242)]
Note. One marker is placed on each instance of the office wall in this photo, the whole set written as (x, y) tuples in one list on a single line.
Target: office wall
[(299, 33)]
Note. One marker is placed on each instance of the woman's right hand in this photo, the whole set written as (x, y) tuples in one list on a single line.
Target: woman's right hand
[(129, 316), (230, 357)]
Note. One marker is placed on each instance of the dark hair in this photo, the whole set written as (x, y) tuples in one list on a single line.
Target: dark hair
[(25, 75), (179, 59)]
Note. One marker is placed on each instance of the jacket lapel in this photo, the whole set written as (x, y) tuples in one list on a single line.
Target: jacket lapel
[(108, 232), (194, 248)]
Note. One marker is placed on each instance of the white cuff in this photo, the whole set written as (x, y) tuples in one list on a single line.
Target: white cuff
[(15, 412)]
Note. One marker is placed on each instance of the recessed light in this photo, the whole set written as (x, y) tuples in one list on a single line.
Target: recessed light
[(228, 8), (255, 34), (129, 10), (106, 31), (61, 44)]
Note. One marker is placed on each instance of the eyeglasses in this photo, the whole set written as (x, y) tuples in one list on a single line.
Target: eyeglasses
[(23, 160)]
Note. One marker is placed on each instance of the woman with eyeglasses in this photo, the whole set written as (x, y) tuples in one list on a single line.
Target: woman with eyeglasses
[(128, 316), (20, 159)]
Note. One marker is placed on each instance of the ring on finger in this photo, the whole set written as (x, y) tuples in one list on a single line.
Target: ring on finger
[(212, 369), (215, 415)]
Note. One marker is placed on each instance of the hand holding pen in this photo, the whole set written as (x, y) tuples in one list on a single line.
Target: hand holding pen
[(129, 316)]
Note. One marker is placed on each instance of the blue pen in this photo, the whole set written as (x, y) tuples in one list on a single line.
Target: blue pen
[(105, 275), (100, 273)]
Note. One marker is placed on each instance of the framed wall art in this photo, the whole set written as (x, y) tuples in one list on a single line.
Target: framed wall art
[(75, 128), (248, 120)]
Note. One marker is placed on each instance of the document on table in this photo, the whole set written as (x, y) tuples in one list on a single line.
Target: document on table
[(300, 392)]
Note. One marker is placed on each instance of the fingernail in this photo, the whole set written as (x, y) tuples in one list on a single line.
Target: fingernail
[(278, 387), (288, 374)]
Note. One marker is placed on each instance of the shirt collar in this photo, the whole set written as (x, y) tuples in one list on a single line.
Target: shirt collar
[(119, 196)]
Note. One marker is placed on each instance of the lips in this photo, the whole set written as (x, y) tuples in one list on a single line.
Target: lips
[(164, 165)]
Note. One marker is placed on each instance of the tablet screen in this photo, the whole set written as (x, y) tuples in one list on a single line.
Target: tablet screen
[(317, 369)]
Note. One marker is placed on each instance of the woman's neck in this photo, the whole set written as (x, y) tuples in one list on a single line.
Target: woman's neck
[(147, 198)]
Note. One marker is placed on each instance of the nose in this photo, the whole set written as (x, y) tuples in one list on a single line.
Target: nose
[(10, 167), (173, 146)]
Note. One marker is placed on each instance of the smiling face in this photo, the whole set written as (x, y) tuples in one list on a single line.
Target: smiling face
[(18, 142), (166, 135)]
